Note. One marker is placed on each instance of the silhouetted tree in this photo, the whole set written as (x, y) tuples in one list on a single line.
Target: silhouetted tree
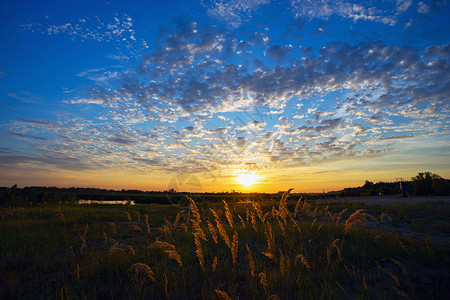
[(423, 183)]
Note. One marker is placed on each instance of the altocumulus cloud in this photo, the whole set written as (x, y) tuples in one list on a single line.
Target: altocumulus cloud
[(177, 107)]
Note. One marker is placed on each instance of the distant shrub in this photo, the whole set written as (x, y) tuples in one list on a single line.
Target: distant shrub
[(427, 183)]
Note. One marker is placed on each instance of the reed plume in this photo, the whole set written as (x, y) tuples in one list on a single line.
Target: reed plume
[(169, 249), (214, 264), (223, 295), (199, 252), (385, 216), (270, 242), (138, 216), (251, 261), (136, 228), (330, 250), (281, 227), (147, 224), (127, 214), (212, 230), (242, 221), (282, 208), (115, 249), (357, 217), (83, 238), (228, 214), (304, 261), (253, 220), (297, 207), (221, 229), (197, 230), (263, 280), (234, 247), (194, 210), (113, 227), (282, 264), (258, 210), (337, 217), (177, 218), (142, 269)]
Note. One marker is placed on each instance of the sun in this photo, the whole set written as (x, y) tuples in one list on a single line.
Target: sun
[(247, 179)]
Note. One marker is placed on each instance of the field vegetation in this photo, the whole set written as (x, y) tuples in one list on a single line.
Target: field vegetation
[(284, 248)]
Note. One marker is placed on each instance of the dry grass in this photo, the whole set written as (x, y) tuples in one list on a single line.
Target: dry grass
[(228, 214), (141, 269), (169, 249), (251, 261), (223, 295), (357, 217)]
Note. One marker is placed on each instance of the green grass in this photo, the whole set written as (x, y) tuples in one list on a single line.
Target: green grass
[(314, 257)]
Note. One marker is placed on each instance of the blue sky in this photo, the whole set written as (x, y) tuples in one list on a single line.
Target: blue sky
[(315, 95)]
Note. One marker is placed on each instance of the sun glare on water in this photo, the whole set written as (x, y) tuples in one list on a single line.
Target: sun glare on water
[(247, 179)]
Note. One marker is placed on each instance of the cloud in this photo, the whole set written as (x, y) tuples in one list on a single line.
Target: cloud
[(324, 9), (233, 12), (403, 5), (278, 52), (118, 30), (423, 8), (196, 103)]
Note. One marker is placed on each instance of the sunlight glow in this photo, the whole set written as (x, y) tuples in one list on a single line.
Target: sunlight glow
[(247, 179)]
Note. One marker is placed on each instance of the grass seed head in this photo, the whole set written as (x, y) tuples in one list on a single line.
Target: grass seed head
[(141, 269)]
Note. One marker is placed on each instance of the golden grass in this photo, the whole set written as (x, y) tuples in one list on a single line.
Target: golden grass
[(193, 210), (141, 269), (127, 214), (221, 229), (297, 207), (199, 252), (136, 228), (113, 227), (303, 260), (263, 280), (258, 210), (234, 247), (223, 295), (83, 238), (212, 230), (228, 214), (251, 261), (169, 249), (270, 253), (357, 217), (242, 221), (214, 264), (282, 264), (253, 221)]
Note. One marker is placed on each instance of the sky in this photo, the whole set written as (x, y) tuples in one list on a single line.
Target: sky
[(216, 95)]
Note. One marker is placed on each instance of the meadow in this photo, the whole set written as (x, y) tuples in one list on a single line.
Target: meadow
[(280, 248)]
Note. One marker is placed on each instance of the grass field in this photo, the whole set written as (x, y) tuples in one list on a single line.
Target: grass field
[(286, 248)]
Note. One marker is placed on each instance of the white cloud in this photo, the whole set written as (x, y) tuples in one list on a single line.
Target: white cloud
[(423, 8), (233, 12), (323, 9)]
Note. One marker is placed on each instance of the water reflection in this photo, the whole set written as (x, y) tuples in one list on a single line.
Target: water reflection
[(123, 202)]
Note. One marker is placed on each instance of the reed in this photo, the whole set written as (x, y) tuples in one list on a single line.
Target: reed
[(141, 269), (357, 217), (169, 249), (251, 261), (228, 214), (223, 295), (234, 247)]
